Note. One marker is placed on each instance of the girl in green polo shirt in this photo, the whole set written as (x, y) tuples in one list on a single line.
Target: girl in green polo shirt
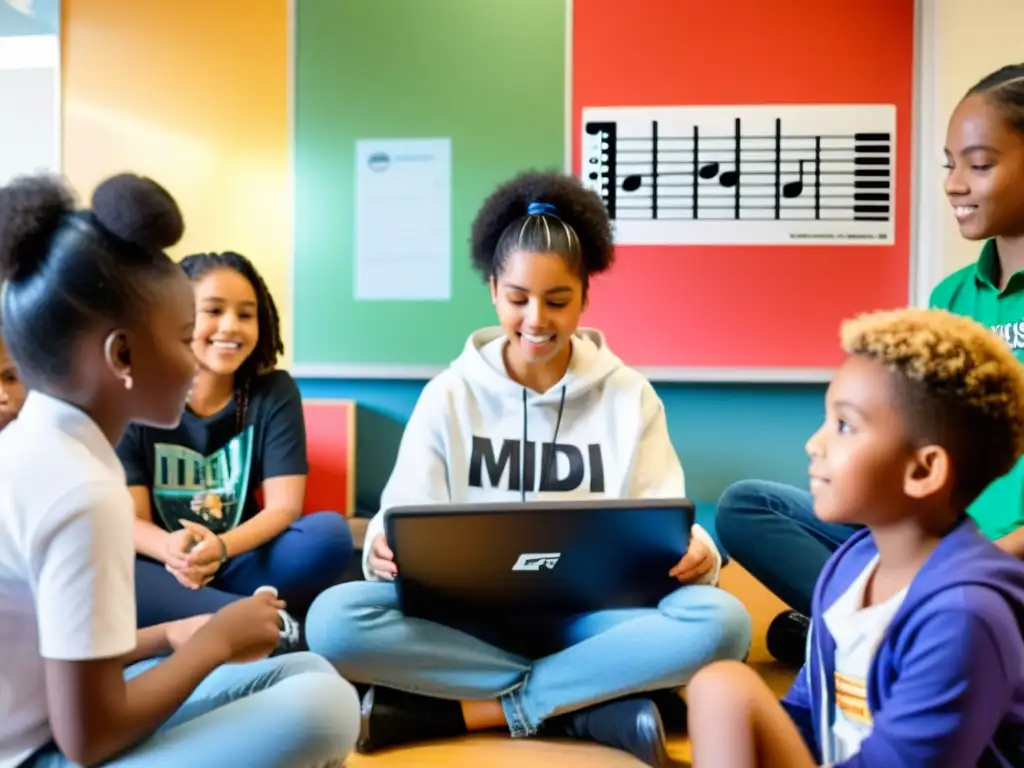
[(985, 184), (770, 528)]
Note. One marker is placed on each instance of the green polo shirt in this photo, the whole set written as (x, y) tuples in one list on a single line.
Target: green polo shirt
[(974, 291)]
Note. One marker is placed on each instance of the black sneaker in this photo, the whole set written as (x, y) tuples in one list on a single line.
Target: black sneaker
[(291, 639), (631, 724), (391, 718), (787, 637)]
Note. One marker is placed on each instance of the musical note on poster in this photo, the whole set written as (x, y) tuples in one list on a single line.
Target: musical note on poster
[(750, 175)]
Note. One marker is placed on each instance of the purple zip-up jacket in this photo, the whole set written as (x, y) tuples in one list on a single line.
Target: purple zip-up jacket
[(946, 685)]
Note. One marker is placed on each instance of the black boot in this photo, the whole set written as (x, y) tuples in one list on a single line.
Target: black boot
[(787, 637), (391, 718), (632, 724), (671, 707)]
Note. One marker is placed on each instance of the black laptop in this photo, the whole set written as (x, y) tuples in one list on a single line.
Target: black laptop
[(537, 557)]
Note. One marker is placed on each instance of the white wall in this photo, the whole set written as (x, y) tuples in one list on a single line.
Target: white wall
[(30, 95), (960, 41)]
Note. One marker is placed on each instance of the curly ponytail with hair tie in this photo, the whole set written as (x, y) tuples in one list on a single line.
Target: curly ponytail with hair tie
[(543, 212)]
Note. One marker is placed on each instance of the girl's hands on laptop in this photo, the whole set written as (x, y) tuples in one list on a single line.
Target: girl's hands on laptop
[(382, 559), (697, 561)]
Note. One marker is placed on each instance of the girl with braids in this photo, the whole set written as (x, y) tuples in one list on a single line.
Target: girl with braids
[(771, 528), (537, 242), (203, 534), (99, 322)]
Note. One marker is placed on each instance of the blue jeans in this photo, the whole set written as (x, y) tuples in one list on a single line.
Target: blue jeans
[(603, 655), (291, 710), (771, 530), (301, 562)]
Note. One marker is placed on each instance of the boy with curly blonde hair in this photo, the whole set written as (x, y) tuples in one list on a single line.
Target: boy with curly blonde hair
[(916, 653)]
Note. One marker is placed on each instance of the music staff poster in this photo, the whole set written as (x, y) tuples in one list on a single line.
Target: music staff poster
[(747, 297), (744, 175)]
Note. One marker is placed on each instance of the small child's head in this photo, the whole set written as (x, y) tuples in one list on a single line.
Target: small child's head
[(237, 333), (927, 409), (985, 156), (537, 240), (94, 311), (12, 390)]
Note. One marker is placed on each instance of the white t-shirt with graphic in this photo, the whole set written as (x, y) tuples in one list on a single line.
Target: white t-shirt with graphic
[(857, 631)]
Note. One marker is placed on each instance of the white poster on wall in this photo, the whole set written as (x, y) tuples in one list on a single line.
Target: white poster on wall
[(403, 219), (744, 175)]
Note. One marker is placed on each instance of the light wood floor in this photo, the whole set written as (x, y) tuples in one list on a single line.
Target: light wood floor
[(496, 751)]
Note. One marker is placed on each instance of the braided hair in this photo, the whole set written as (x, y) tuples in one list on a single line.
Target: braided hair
[(269, 346), (1005, 89)]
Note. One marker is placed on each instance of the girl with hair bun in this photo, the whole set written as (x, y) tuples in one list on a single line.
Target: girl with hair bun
[(99, 322), (537, 377)]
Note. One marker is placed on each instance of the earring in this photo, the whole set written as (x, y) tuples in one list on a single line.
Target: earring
[(127, 381)]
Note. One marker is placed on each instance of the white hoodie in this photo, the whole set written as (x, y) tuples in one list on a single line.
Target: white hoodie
[(466, 434)]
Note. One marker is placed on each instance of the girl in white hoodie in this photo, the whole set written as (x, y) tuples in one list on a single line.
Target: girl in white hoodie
[(536, 378)]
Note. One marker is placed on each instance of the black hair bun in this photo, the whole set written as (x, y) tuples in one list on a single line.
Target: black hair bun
[(139, 211), (31, 209)]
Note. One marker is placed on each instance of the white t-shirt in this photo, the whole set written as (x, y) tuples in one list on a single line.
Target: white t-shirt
[(67, 587), (857, 631)]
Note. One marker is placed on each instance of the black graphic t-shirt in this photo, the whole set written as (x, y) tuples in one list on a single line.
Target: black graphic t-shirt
[(207, 471)]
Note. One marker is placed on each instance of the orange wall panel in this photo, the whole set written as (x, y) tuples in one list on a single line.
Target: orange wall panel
[(194, 94)]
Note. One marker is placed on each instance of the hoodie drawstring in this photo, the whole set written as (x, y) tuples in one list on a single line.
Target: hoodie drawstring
[(554, 440), (522, 455)]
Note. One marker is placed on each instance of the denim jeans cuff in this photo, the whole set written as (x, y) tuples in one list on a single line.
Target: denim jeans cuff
[(518, 723)]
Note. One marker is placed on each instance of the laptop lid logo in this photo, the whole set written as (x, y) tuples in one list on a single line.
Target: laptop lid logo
[(534, 561)]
